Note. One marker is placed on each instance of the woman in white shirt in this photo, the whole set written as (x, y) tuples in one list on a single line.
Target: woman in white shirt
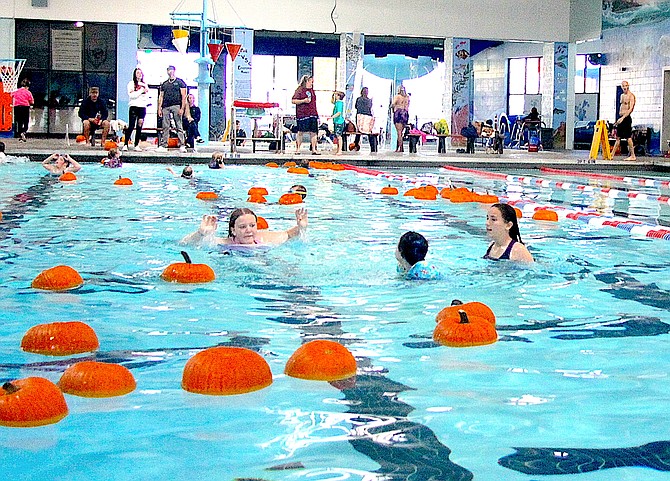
[(138, 92)]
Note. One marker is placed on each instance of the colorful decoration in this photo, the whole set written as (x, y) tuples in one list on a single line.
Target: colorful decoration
[(188, 273), (465, 331), (59, 278), (30, 402), (97, 379)]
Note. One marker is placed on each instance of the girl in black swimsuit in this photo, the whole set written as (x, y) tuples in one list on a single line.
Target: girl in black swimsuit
[(503, 228)]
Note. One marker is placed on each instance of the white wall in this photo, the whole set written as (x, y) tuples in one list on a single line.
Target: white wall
[(497, 19)]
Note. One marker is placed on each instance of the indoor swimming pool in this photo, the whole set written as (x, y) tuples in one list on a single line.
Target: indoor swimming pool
[(574, 388)]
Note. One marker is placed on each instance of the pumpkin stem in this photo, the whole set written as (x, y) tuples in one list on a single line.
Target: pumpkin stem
[(464, 317), (9, 388), (456, 302), (186, 257)]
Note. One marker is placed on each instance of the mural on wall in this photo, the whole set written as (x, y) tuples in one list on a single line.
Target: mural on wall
[(622, 13), (462, 85), (559, 114)]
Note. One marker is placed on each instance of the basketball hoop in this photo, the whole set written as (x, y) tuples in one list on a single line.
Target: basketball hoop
[(10, 69)]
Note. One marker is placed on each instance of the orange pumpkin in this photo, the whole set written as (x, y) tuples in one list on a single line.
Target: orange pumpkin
[(110, 144), (321, 360), (426, 193), (0, 215), (431, 188), (257, 190), (261, 223), (519, 214), (60, 339), (67, 177), (411, 192), (188, 273), (123, 181), (257, 199), (222, 371), (461, 195), (315, 164), (488, 199), (97, 379), (471, 308), (389, 190), (207, 196), (29, 402), (59, 278), (336, 167), (173, 143), (290, 163), (545, 214), (80, 139), (272, 165), (290, 199), (298, 170), (465, 331)]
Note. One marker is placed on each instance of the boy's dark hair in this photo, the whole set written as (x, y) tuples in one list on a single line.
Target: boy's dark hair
[(2, 146), (413, 247)]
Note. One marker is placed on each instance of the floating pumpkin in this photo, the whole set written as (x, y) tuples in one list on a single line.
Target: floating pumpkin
[(431, 188), (59, 278), (60, 339), (389, 190), (465, 331), (519, 214), (321, 360), (336, 167), (97, 379), (123, 181), (315, 164), (290, 163), (257, 199), (425, 193), (67, 177), (173, 143), (410, 192), (290, 199), (188, 273), (298, 170), (222, 371), (258, 190), (461, 195), (110, 144), (272, 165), (29, 402), (475, 308), (80, 139), (488, 199), (261, 223), (445, 193), (545, 214), (207, 196)]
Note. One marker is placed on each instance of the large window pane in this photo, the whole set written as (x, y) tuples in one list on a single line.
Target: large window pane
[(533, 76), (517, 76), (592, 84), (516, 104)]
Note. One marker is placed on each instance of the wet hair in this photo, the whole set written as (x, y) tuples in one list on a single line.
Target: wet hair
[(113, 152), (236, 214), (304, 79), (2, 146), (25, 83), (298, 189), (509, 215), (413, 247), (187, 173)]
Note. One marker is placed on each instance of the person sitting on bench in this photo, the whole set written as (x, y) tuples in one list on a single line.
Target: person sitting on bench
[(93, 114)]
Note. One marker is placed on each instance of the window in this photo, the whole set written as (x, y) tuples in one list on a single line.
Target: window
[(525, 80), (587, 76)]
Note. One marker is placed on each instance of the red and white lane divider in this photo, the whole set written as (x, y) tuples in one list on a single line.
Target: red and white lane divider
[(626, 180)]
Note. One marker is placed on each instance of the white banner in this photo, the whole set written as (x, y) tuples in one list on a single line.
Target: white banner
[(66, 50)]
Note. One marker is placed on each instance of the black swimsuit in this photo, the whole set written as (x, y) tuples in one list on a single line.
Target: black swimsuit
[(504, 256)]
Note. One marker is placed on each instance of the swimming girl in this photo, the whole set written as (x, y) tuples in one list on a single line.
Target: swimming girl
[(411, 254), (301, 190), (186, 173), (217, 161), (242, 230), (61, 163), (503, 228), (113, 159)]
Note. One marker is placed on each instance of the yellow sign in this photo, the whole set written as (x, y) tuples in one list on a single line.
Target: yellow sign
[(600, 138)]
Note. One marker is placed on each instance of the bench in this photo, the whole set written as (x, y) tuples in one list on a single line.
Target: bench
[(373, 140), (254, 140)]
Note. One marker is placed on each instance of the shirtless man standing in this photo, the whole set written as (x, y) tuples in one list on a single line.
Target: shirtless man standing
[(624, 124)]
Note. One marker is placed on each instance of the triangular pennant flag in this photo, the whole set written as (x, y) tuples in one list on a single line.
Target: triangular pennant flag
[(181, 44), (233, 49), (215, 50)]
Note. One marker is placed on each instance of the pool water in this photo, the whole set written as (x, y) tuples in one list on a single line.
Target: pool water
[(575, 388)]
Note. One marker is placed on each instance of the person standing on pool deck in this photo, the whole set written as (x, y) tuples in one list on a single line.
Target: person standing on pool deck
[(172, 102), (503, 228), (306, 114), (243, 230), (624, 124)]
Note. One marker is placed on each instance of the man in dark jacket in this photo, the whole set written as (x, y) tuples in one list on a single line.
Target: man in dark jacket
[(93, 114)]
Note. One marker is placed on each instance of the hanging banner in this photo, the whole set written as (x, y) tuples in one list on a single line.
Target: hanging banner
[(242, 63)]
